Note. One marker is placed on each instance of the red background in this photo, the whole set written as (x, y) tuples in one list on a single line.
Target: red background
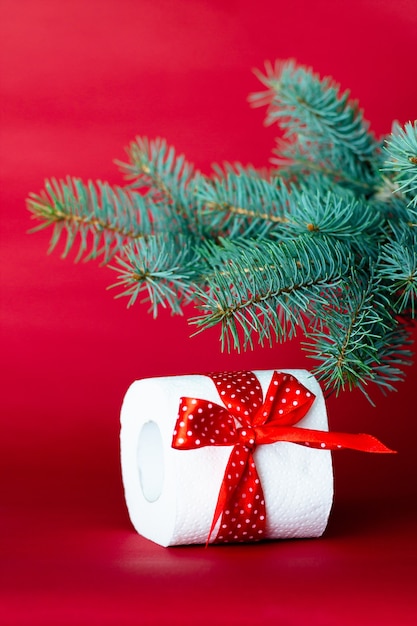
[(79, 79)]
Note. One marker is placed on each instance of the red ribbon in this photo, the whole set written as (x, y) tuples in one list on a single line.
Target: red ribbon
[(245, 421)]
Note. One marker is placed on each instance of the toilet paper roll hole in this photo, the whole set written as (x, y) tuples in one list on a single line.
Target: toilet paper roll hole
[(150, 461)]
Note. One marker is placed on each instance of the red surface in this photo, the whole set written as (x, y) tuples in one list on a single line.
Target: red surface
[(78, 81)]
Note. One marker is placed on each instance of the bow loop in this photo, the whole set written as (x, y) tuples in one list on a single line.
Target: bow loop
[(286, 402), (201, 423)]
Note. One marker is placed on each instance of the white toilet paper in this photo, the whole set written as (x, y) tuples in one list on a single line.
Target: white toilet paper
[(171, 494)]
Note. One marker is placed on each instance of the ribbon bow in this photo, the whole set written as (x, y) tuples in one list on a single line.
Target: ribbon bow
[(245, 421)]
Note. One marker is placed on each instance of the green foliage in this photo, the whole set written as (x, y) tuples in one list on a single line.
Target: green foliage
[(163, 266), (324, 131), (266, 287), (360, 341), (167, 180), (402, 162), (101, 218), (324, 243)]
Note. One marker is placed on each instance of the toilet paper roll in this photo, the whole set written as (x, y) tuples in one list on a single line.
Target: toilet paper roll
[(171, 494)]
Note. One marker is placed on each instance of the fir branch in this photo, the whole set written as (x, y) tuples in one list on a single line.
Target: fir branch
[(100, 217), (242, 202), (356, 339), (297, 162), (307, 106), (325, 244), (336, 215), (401, 148), (264, 288), (155, 168), (164, 267), (397, 266), (328, 128)]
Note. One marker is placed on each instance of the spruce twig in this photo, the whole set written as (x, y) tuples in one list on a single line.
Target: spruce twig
[(324, 245)]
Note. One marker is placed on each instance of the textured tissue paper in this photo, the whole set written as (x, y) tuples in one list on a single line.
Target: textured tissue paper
[(171, 494)]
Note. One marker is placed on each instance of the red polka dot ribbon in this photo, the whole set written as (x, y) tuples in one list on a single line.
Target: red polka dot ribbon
[(245, 421)]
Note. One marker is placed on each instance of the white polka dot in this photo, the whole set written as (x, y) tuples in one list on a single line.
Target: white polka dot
[(197, 441)]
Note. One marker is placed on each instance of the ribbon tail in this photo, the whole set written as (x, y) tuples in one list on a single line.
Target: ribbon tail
[(324, 439), (225, 493)]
